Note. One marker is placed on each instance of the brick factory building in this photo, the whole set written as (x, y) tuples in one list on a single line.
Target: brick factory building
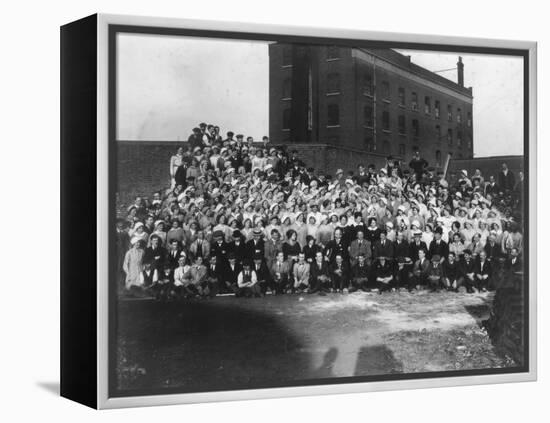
[(339, 106)]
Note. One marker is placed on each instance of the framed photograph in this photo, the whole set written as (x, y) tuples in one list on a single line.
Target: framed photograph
[(254, 211)]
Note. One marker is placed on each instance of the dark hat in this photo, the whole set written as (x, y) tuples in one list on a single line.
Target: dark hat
[(258, 257), (231, 256), (230, 134), (467, 251), (240, 136), (236, 234), (436, 258), (257, 231), (439, 230), (196, 129), (202, 125), (217, 234)]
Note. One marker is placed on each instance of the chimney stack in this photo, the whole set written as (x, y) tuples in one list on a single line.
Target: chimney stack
[(460, 68)]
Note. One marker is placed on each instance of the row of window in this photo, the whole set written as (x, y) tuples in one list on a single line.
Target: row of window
[(333, 53), (371, 147)]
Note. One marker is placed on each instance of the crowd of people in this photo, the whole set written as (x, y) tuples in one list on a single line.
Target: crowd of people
[(247, 218)]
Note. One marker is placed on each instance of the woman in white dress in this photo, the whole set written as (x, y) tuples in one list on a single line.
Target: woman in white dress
[(133, 264)]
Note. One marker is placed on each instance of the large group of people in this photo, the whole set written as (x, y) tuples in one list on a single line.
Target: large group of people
[(248, 218)]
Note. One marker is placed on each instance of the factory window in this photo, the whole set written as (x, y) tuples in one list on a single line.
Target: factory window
[(438, 133), (414, 101), (367, 84), (450, 136), (386, 120), (368, 116), (401, 94), (415, 128), (459, 138), (385, 90), (333, 115), (333, 83), (370, 146), (333, 52), (427, 105), (386, 147), (402, 150), (469, 119), (287, 88), (286, 119), (458, 115), (437, 108), (401, 124), (450, 113), (287, 55), (438, 158)]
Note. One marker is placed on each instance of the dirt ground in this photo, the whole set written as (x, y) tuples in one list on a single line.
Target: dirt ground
[(227, 342)]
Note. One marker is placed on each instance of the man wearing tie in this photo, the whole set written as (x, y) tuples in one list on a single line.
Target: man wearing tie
[(233, 269), (214, 276), (360, 274), (482, 272), (340, 274), (420, 270), (173, 255), (279, 274), (319, 274), (301, 274), (468, 271), (438, 247), (262, 273), (360, 246), (383, 247), (247, 281)]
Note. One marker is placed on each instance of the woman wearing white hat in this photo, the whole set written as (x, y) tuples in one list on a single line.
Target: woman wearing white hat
[(133, 264)]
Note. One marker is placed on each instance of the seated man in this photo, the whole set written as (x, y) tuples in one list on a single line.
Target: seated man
[(360, 274), (483, 272), (300, 272), (161, 290), (198, 277), (279, 274), (340, 274), (231, 274), (468, 271), (513, 270), (262, 273), (383, 274), (214, 276), (420, 270), (182, 280), (435, 274), (247, 281), (452, 276), (319, 274), (403, 273)]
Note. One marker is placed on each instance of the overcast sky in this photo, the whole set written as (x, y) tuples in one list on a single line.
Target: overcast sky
[(167, 85)]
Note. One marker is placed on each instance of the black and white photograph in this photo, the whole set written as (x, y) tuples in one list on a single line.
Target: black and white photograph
[(293, 213)]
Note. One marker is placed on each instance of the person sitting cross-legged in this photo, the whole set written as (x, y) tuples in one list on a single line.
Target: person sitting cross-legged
[(300, 272), (435, 274), (262, 273), (482, 272), (247, 281), (452, 277), (383, 274), (319, 273), (360, 274), (279, 274), (340, 274)]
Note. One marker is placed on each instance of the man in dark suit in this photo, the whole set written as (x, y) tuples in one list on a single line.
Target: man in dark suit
[(262, 273), (513, 270), (319, 274), (438, 247), (360, 273), (214, 276), (173, 254), (238, 247), (417, 245), (468, 270), (255, 246), (155, 254), (383, 275), (219, 248), (506, 178), (492, 249), (336, 247), (231, 274), (420, 270), (360, 246), (401, 246), (452, 277), (483, 272), (280, 270), (384, 247), (340, 274)]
